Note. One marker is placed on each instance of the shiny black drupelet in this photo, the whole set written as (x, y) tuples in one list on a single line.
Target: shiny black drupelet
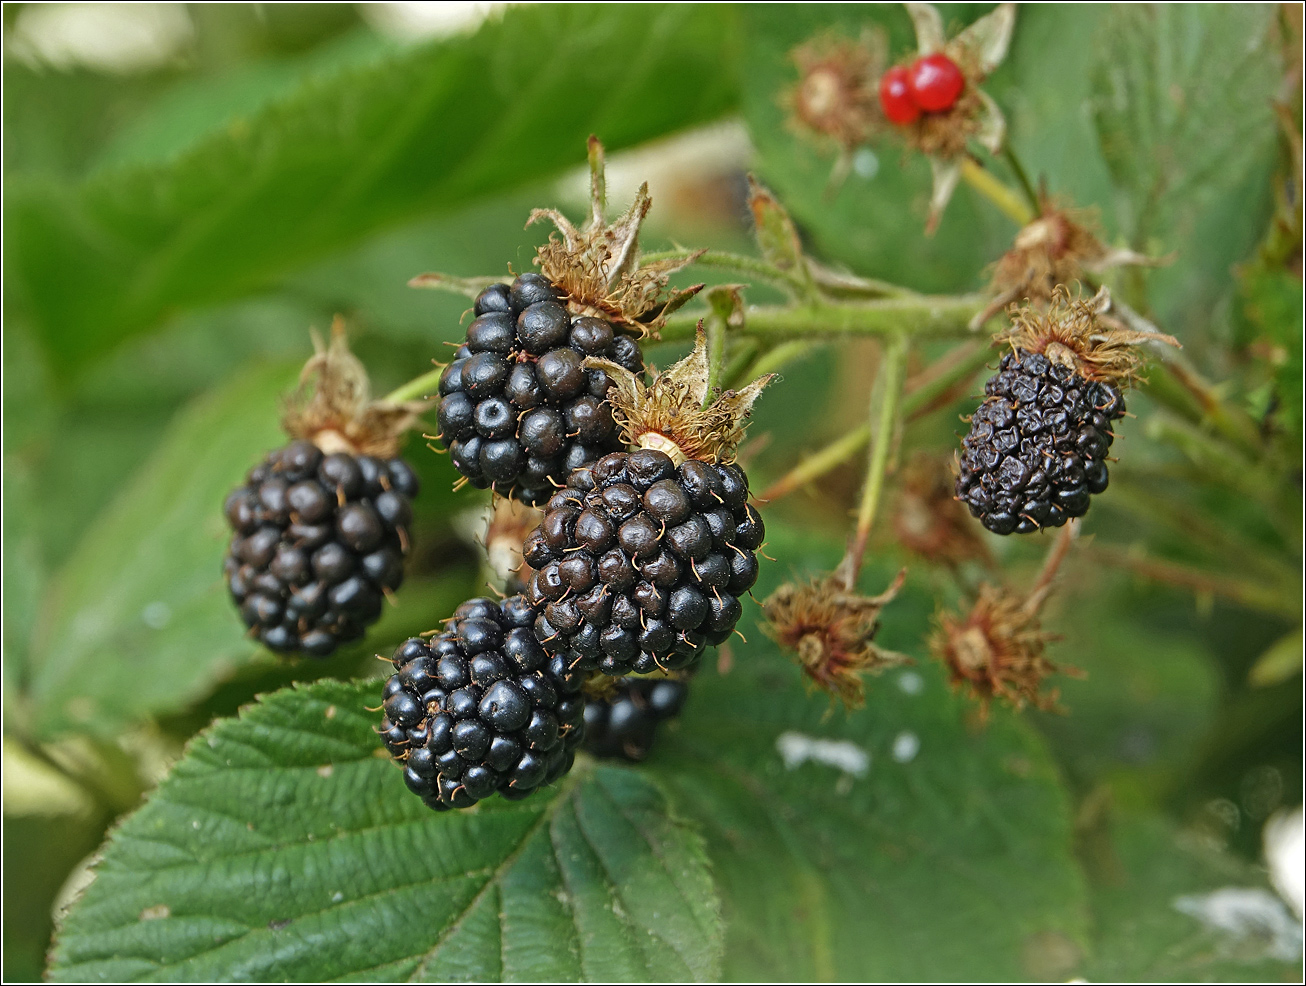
[(481, 708), (518, 410), (319, 539), (624, 725), (1037, 446), (639, 565)]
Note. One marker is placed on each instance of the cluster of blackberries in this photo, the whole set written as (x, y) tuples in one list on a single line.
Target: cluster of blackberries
[(518, 410), (318, 540), (1037, 446), (639, 565), (481, 708), (623, 724)]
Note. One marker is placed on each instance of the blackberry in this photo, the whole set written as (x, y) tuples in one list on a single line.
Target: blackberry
[(518, 409), (622, 725), (639, 564), (318, 541), (480, 708), (1037, 446)]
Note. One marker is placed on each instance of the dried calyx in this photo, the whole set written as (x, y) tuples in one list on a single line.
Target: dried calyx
[(1082, 336), (997, 650), (1060, 247), (668, 413), (333, 407), (831, 631), (598, 267), (835, 97), (929, 519)]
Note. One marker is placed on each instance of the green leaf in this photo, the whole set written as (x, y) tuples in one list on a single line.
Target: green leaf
[(948, 859), (348, 154), (285, 846), (138, 618), (1182, 106), (1150, 883)]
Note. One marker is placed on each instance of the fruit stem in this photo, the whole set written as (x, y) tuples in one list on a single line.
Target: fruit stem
[(778, 357), (918, 315), (885, 402), (1056, 555), (418, 388), (997, 192), (1022, 176)]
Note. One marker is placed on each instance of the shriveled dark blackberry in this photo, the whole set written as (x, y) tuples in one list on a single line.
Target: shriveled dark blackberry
[(518, 410), (1036, 451), (639, 564), (623, 725), (1037, 446), (481, 708), (319, 540)]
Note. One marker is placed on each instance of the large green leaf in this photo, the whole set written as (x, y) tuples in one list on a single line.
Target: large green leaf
[(346, 154), (138, 618), (1182, 105), (285, 846)]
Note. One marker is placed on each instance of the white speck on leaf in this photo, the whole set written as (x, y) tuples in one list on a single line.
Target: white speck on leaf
[(156, 912), (866, 164), (325, 770), (911, 683), (905, 746), (796, 749)]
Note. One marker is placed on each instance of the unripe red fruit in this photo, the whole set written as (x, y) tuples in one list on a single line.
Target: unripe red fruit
[(896, 97), (935, 82)]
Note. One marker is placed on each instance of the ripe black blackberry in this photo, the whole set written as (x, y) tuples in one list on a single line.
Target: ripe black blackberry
[(319, 539), (1037, 447), (639, 565), (320, 526), (481, 708), (640, 560), (623, 725), (518, 410)]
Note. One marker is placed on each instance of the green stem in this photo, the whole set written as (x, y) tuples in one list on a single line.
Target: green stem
[(417, 388), (1022, 177), (745, 351), (920, 315), (921, 395), (997, 192), (888, 386)]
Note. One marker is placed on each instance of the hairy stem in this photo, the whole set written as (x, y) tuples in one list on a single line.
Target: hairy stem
[(714, 328), (417, 388), (884, 414), (1000, 194), (1056, 555), (737, 262), (919, 315)]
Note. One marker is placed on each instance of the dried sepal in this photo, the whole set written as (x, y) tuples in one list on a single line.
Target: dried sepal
[(333, 407), (929, 520), (669, 413), (835, 99), (997, 651), (597, 266), (467, 286), (1060, 247), (509, 523), (1082, 336), (831, 632)]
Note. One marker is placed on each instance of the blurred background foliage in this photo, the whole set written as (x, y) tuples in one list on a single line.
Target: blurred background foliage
[(189, 188)]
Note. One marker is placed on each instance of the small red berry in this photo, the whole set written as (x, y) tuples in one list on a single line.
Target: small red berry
[(936, 82), (896, 97)]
